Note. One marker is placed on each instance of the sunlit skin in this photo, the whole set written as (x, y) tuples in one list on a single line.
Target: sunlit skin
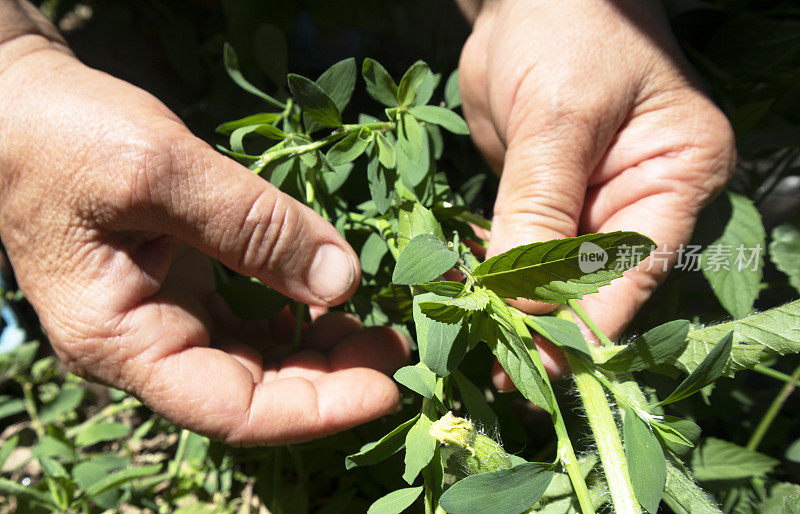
[(110, 210), (593, 119)]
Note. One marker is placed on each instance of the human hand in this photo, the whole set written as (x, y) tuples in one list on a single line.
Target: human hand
[(105, 200), (594, 120)]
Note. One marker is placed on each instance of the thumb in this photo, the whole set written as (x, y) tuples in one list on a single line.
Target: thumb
[(542, 189), (229, 213)]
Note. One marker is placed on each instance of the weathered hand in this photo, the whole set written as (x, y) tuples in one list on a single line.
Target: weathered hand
[(103, 194), (596, 123)]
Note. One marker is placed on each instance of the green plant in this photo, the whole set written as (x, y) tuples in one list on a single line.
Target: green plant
[(414, 216)]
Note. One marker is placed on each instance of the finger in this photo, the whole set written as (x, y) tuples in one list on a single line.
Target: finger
[(381, 348), (659, 194), (229, 213), (214, 393)]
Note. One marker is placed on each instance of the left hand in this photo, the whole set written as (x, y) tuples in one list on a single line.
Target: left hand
[(594, 120)]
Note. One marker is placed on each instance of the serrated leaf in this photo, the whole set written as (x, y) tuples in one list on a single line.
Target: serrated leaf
[(736, 283), (420, 445), (386, 152), (441, 345), (441, 116), (784, 250), (647, 465), (511, 491), (563, 333), (452, 93), (422, 260), (454, 310), (716, 459), (475, 401), (418, 378), (757, 338), (444, 288), (415, 220), (396, 501), (339, 81), (105, 431), (231, 63), (380, 84), (707, 372), (550, 271), (346, 150), (383, 448), (256, 119), (411, 81), (654, 347), (381, 182), (314, 101)]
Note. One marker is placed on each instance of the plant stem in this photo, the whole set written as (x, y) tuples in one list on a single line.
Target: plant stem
[(30, 407), (479, 221), (773, 410), (606, 435), (589, 323), (772, 373)]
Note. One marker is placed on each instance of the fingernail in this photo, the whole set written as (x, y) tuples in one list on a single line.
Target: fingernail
[(331, 272)]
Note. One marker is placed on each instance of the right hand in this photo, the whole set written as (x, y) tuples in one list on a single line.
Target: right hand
[(103, 194)]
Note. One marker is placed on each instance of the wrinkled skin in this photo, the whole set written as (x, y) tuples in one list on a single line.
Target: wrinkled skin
[(595, 122), (109, 211)]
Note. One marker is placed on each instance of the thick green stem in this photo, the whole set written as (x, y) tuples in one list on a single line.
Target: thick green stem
[(773, 410), (772, 373), (607, 438)]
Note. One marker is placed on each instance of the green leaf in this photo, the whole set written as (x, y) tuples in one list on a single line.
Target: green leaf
[(339, 81), (232, 67), (386, 152), (654, 347), (418, 378), (415, 220), (67, 400), (314, 101), (736, 283), (7, 448), (708, 371), (444, 288), (426, 89), (105, 431), (420, 445), (124, 476), (565, 334), (396, 501), (13, 489), (441, 345), (511, 491), (381, 184), (550, 271), (11, 407), (792, 452), (784, 250), (411, 135), (455, 309), (475, 401), (50, 446), (383, 448), (336, 178), (422, 260), (646, 463), (264, 118), (441, 116), (452, 93), (411, 81), (87, 472), (372, 253), (757, 338), (677, 433), (380, 84), (716, 459), (346, 150), (250, 299)]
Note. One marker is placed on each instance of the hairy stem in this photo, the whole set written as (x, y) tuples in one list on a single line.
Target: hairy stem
[(606, 435), (773, 410)]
